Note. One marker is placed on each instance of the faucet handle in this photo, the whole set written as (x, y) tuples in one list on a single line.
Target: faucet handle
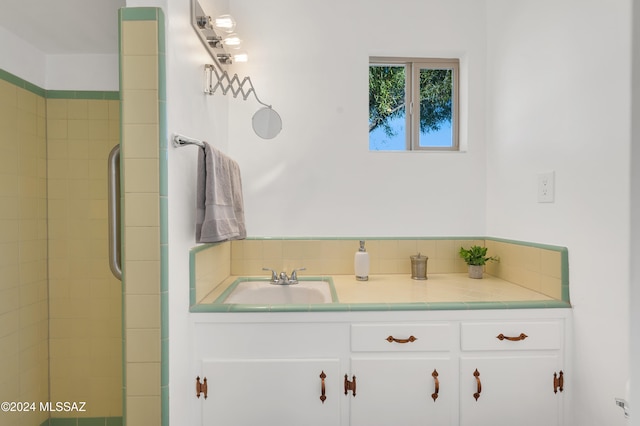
[(274, 275), (294, 273)]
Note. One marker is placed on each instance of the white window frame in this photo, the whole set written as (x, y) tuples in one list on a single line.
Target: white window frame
[(412, 88)]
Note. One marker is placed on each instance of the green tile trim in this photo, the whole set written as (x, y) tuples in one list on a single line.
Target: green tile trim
[(139, 14), (24, 84), (564, 279), (331, 307), (34, 89), (163, 167), (83, 94), (192, 269), (123, 253), (163, 185), (83, 421), (232, 287), (192, 275), (448, 306), (92, 421), (12, 78), (58, 94), (201, 247), (162, 44), (527, 243), (372, 307), (316, 238), (386, 238), (209, 308), (63, 422), (164, 229), (164, 395), (257, 308)]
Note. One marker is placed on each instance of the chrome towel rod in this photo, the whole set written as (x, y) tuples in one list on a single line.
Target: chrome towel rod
[(179, 140)]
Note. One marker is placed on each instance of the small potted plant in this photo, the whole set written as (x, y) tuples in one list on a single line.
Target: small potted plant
[(476, 257)]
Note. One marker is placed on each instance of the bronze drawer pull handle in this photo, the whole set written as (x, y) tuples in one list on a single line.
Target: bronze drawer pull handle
[(323, 396), (522, 336), (392, 339), (476, 374), (349, 385), (434, 395), (558, 382)]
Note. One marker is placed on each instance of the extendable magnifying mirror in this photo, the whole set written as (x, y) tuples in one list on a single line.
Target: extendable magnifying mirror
[(267, 123)]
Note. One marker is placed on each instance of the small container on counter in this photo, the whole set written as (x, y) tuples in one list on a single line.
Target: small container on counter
[(361, 263), (419, 267)]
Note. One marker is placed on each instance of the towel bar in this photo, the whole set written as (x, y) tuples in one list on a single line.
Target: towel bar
[(179, 140)]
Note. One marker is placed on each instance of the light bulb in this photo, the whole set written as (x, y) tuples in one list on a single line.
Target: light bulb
[(225, 23), (240, 56), (232, 41)]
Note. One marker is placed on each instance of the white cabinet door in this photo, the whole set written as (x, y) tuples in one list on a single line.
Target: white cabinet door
[(250, 392), (514, 390), (398, 390)]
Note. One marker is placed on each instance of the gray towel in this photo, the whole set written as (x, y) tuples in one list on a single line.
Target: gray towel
[(219, 204)]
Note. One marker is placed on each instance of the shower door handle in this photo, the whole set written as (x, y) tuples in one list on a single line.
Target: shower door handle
[(115, 260)]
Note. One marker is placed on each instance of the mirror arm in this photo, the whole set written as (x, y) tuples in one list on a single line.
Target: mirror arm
[(226, 83)]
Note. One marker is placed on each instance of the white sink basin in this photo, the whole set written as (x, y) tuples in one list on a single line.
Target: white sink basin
[(263, 292)]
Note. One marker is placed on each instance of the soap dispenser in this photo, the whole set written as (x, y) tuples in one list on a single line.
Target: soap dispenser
[(361, 263)]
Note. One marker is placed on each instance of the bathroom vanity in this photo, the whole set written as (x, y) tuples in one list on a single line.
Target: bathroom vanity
[(465, 367), (448, 350)]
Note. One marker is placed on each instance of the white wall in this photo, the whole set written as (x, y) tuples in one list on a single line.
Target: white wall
[(22, 59), (192, 114), (57, 72), (635, 214), (559, 78), (310, 61), (83, 72)]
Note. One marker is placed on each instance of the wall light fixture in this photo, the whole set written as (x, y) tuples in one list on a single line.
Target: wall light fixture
[(223, 44)]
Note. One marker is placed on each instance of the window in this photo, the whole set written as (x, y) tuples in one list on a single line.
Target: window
[(413, 104)]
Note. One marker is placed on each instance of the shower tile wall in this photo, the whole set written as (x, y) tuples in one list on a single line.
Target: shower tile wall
[(23, 251), (85, 299)]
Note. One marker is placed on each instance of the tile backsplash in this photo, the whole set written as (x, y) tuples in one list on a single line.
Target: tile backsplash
[(537, 267), (336, 256)]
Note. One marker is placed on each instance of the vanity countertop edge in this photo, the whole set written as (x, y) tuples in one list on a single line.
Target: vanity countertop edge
[(398, 292)]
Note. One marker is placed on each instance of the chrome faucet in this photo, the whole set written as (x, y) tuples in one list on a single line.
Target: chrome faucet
[(283, 279), (294, 275), (274, 276)]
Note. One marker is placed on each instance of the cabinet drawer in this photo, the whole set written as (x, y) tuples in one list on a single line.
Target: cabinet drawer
[(509, 336), (408, 337)]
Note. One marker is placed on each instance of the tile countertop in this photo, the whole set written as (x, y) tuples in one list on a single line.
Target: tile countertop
[(400, 292)]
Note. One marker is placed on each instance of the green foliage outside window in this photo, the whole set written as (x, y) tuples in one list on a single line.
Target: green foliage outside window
[(389, 87)]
